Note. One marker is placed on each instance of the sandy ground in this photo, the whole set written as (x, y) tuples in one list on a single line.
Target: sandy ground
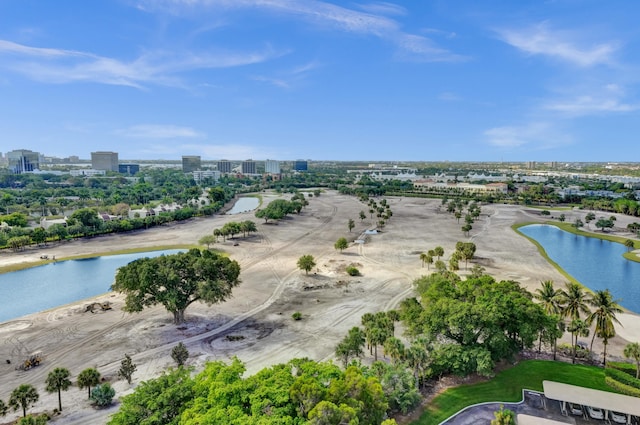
[(256, 324)]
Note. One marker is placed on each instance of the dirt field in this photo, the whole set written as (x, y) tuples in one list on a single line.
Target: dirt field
[(256, 324)]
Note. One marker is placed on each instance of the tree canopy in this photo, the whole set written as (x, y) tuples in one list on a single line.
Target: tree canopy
[(176, 281)]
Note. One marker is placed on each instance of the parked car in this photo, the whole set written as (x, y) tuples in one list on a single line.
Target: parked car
[(595, 412), (617, 417), (575, 409)]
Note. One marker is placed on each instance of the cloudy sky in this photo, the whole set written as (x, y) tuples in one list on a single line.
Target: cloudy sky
[(458, 80)]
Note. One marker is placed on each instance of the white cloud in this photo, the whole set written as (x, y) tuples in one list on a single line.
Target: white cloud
[(608, 98), (533, 136), (540, 40), (154, 131), (160, 68), (383, 8), (448, 96), (586, 105), (371, 22)]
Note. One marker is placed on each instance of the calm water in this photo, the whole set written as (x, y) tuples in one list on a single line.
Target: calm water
[(595, 263), (55, 284), (244, 204)]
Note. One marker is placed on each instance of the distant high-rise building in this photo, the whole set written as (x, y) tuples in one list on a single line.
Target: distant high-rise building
[(224, 166), (23, 160), (130, 169), (300, 165), (191, 163), (531, 165), (107, 161), (272, 166), (248, 167)]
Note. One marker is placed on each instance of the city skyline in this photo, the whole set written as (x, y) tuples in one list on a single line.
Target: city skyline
[(288, 79)]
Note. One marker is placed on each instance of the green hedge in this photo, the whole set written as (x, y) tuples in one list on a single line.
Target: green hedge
[(620, 387), (630, 368), (622, 377)]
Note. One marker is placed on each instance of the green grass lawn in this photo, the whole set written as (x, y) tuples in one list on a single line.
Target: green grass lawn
[(507, 387)]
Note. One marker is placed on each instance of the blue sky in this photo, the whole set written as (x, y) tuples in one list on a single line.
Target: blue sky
[(423, 80)]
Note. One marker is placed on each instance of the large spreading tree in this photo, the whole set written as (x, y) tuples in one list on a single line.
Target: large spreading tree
[(176, 281)]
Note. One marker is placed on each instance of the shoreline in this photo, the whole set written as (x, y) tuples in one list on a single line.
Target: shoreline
[(258, 314)]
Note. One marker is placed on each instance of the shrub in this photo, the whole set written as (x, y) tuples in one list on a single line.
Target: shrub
[(353, 271), (622, 377), (623, 366), (102, 395), (623, 388), (296, 316)]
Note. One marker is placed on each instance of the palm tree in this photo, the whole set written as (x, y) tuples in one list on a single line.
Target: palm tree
[(578, 328), (23, 397), (439, 251), (58, 380), (632, 351), (394, 348), (604, 315), (88, 379), (574, 301), (629, 244), (550, 299), (423, 258)]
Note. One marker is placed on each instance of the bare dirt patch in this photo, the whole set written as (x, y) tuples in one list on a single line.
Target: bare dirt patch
[(256, 324)]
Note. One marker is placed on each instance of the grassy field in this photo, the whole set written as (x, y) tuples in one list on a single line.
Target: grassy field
[(507, 387)]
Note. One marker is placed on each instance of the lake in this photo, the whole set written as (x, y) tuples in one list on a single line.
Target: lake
[(41, 288), (596, 263), (244, 204)]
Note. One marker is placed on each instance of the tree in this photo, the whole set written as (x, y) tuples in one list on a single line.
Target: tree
[(578, 328), (102, 395), (549, 298), (176, 281), (467, 250), (574, 301), (590, 217), (438, 251), (577, 224), (88, 379), (466, 229), (632, 351), (562, 218), (351, 224), (207, 240), (39, 235), (180, 354), (629, 244), (604, 315), (4, 409), (362, 215), (127, 369), (604, 223), (157, 401), (351, 345), (306, 263), (341, 244), (23, 397), (58, 380)]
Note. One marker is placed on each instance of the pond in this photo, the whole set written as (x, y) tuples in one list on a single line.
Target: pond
[(244, 204), (41, 288), (596, 263)]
